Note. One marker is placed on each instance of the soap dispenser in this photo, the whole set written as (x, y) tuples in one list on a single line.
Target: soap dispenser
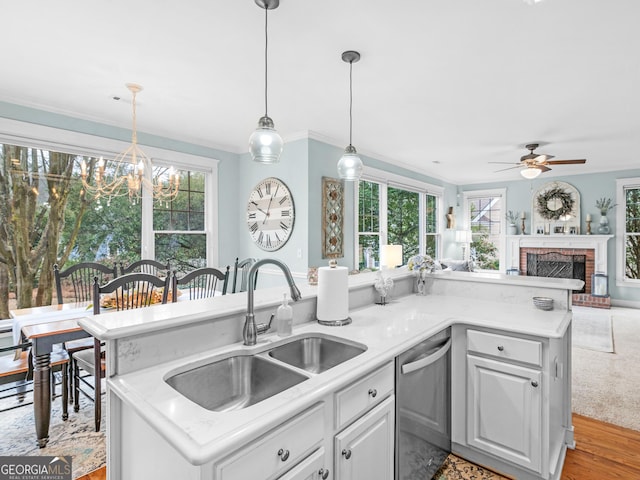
[(284, 318)]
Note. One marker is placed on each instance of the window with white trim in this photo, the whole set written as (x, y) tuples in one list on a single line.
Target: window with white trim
[(484, 217), (188, 231), (628, 232), (397, 211)]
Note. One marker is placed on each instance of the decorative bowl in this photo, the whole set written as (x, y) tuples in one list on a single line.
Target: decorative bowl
[(543, 303)]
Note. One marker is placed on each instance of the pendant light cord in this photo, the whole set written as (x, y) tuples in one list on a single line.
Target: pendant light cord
[(350, 101), (266, 43)]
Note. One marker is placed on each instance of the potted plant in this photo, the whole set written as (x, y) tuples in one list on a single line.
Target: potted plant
[(512, 218), (604, 205)]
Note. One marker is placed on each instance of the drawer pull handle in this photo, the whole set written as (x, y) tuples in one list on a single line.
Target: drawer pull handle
[(534, 383), (323, 474), (346, 454), (500, 348), (373, 392), (283, 454)]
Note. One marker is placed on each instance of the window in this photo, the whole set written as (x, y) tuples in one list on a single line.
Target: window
[(183, 231), (484, 216), (179, 225), (628, 232), (398, 211)]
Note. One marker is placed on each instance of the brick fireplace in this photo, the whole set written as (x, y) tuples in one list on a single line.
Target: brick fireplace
[(589, 249)]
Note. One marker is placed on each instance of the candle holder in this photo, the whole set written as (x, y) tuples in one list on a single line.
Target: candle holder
[(588, 227), (522, 227)]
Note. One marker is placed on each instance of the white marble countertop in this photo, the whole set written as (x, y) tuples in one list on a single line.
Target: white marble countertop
[(201, 435)]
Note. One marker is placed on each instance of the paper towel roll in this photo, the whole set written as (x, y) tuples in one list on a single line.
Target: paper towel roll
[(333, 294)]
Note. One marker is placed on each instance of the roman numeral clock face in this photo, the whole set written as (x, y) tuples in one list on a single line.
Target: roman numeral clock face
[(270, 214)]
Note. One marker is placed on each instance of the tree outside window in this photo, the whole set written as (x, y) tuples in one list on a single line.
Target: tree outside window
[(632, 233), (485, 220)]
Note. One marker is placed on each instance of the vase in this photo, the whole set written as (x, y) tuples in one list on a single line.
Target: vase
[(603, 226), (512, 229), (420, 284)]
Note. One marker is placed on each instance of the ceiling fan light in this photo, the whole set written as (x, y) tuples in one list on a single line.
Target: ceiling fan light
[(530, 172), (265, 143), (350, 165)]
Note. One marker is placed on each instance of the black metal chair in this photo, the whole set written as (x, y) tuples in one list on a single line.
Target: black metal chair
[(201, 283), (16, 375), (134, 290), (80, 277), (152, 267), (242, 267)]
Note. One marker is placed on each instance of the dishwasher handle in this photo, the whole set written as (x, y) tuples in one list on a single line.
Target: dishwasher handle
[(423, 362)]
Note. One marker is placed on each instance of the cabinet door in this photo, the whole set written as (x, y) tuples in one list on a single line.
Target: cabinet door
[(364, 450), (314, 467), (504, 411)]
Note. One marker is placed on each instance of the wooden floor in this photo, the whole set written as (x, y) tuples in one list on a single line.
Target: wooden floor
[(603, 451)]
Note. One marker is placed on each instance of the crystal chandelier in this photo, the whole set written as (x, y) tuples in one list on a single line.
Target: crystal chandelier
[(130, 172)]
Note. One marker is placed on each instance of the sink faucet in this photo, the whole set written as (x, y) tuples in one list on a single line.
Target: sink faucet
[(250, 330)]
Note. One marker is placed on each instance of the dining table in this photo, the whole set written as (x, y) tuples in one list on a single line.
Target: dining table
[(46, 327)]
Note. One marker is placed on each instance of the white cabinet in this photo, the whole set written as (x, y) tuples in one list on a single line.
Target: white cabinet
[(365, 449), (504, 404), (314, 467), (278, 451), (508, 398)]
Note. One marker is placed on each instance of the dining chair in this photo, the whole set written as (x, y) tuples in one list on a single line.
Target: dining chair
[(80, 277), (16, 375), (201, 283), (243, 267), (153, 267), (133, 290)]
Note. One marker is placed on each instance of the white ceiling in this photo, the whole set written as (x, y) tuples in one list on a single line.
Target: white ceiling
[(443, 86)]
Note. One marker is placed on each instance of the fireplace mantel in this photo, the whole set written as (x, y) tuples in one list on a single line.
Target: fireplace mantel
[(596, 242)]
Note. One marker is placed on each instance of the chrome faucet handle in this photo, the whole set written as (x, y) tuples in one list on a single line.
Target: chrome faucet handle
[(264, 327)]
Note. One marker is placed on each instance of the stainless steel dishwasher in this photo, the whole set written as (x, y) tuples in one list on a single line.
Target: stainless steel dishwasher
[(423, 408)]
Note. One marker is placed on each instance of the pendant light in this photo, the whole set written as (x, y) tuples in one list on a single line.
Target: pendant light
[(350, 165), (265, 144)]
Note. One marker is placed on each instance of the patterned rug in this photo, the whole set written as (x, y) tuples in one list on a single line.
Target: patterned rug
[(76, 437), (455, 468)]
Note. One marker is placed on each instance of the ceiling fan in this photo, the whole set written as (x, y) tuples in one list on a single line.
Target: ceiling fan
[(533, 164)]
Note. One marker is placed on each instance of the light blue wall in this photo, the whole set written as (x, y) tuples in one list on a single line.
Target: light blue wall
[(302, 166), (591, 188)]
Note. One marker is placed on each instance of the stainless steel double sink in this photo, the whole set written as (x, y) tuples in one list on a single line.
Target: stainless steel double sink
[(240, 378)]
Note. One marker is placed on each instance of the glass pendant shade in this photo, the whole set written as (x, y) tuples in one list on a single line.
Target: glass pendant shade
[(265, 143), (350, 165), (530, 172)]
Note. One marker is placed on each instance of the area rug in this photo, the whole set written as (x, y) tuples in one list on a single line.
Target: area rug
[(605, 385), (592, 329), (76, 437), (455, 468)]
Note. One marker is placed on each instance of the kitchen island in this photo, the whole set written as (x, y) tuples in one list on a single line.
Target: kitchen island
[(152, 428)]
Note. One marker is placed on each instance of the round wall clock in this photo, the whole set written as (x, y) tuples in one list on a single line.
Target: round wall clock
[(270, 214)]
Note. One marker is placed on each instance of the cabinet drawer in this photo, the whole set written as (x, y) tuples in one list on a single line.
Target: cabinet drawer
[(505, 347), (276, 452), (356, 399)]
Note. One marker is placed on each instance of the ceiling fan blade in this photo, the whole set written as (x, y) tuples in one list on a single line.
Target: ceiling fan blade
[(507, 163), (510, 168), (565, 162), (543, 168), (543, 158)]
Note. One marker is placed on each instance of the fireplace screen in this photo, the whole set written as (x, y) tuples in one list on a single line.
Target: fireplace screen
[(557, 265)]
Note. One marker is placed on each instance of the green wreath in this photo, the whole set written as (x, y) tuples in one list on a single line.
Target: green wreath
[(555, 193)]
